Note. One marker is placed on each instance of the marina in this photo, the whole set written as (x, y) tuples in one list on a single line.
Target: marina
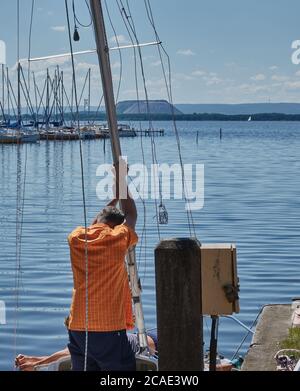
[(46, 275), (140, 244)]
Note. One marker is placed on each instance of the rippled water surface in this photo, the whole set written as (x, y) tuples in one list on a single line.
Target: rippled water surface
[(252, 198)]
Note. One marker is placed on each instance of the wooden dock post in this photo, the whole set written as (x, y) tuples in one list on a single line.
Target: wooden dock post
[(179, 305)]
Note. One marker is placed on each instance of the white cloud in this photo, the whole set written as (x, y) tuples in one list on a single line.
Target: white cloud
[(258, 77), (273, 68), (212, 80), (230, 64), (250, 88), (199, 72), (155, 82), (297, 73), (116, 65), (85, 66), (280, 78), (119, 39), (60, 29), (156, 63), (292, 85), (186, 52), (183, 76)]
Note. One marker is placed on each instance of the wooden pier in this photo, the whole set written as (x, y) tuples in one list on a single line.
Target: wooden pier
[(272, 328), (149, 132)]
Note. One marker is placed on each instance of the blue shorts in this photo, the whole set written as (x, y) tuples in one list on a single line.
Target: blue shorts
[(107, 351)]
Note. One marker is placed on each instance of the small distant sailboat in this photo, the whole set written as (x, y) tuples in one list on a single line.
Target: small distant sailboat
[(250, 118)]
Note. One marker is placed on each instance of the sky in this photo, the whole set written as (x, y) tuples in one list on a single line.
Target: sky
[(233, 51)]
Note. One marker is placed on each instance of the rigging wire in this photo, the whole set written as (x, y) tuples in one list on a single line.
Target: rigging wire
[(18, 194), (161, 208), (76, 20), (117, 98), (247, 334), (98, 109), (82, 186), (26, 92), (35, 98), (29, 44), (10, 89), (143, 236), (83, 88), (70, 104), (55, 85), (168, 83), (131, 31), (20, 205), (144, 230), (119, 50), (41, 96)]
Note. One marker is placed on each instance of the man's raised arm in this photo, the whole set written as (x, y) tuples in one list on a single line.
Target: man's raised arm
[(123, 194)]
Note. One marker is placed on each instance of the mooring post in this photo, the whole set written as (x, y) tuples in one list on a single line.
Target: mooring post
[(179, 305)]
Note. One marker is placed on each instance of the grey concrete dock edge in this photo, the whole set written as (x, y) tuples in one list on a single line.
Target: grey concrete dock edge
[(272, 328)]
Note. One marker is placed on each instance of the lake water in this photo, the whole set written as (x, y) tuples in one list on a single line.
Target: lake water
[(252, 198)]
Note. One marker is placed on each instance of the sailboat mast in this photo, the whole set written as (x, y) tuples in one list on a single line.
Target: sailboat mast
[(3, 81), (89, 97), (107, 83), (47, 100), (19, 95), (62, 98), (8, 95), (19, 65), (104, 62)]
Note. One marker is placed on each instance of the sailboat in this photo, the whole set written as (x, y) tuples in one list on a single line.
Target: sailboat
[(16, 133), (145, 361), (250, 118)]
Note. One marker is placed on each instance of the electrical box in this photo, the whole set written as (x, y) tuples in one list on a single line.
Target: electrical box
[(220, 285)]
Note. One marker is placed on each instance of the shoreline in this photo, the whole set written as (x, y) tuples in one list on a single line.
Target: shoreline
[(101, 117)]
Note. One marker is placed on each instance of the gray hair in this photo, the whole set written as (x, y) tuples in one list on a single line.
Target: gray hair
[(111, 214)]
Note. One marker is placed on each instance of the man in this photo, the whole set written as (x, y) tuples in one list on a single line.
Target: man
[(103, 247)]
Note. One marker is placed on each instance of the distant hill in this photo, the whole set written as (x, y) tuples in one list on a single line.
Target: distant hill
[(155, 107), (238, 109)]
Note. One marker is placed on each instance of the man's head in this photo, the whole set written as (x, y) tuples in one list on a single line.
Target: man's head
[(111, 216)]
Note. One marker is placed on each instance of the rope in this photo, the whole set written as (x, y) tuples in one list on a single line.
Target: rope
[(20, 204), (132, 31), (14, 96), (83, 88), (168, 84), (247, 334), (70, 104), (143, 235), (29, 43), (83, 190), (26, 92), (41, 96), (76, 20), (119, 50), (98, 109)]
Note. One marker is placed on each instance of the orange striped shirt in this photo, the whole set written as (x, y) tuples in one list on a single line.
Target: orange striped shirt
[(109, 297)]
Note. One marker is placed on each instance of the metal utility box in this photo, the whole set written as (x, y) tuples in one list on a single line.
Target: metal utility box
[(219, 279)]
